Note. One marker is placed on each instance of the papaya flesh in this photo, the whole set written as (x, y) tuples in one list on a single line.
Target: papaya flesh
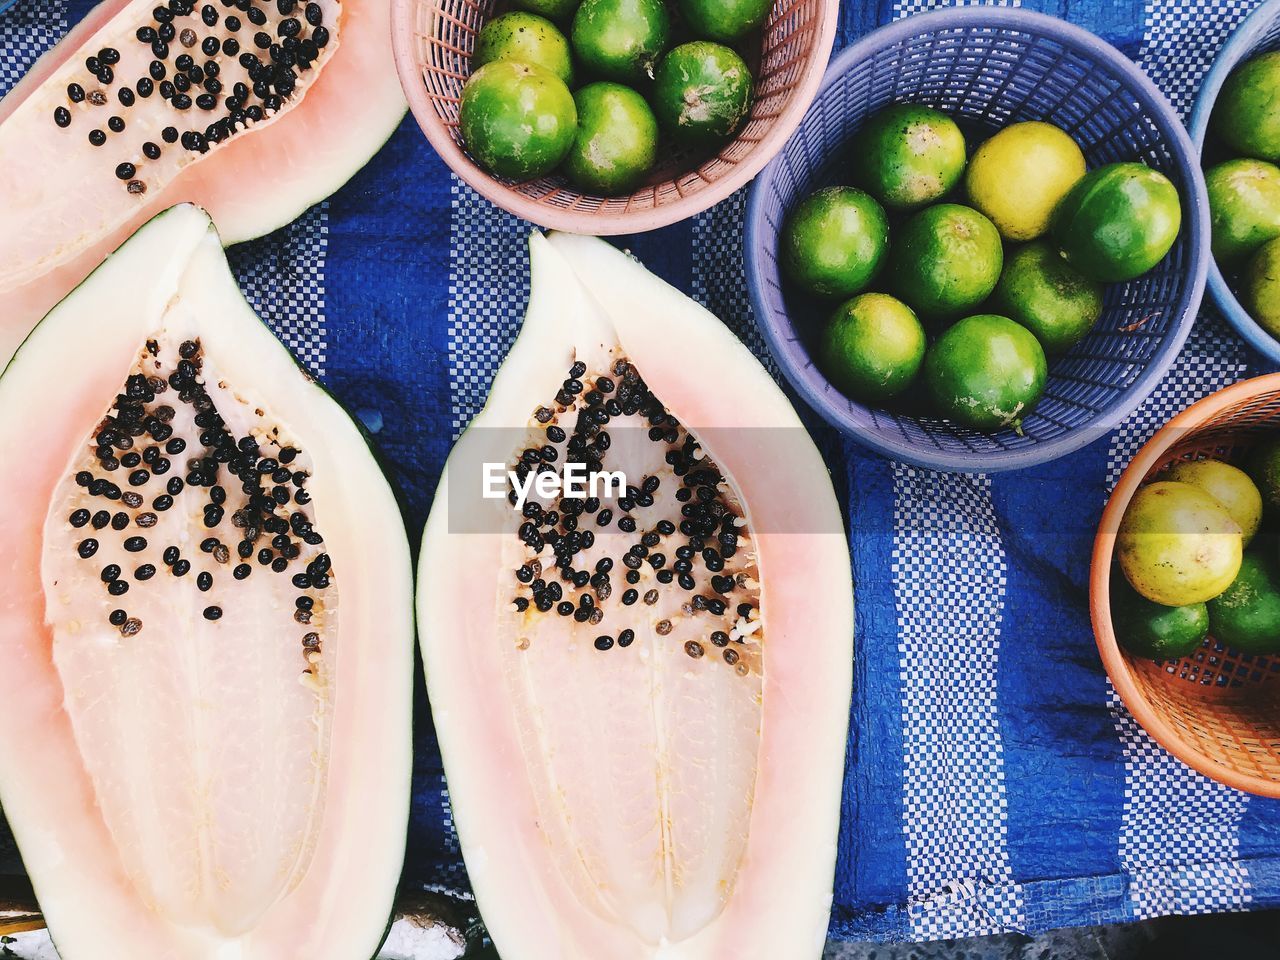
[(205, 626), (633, 691), (253, 135)]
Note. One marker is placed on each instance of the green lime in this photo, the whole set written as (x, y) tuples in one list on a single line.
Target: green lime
[(527, 38), (1018, 176), (1227, 484), (946, 260), (834, 242), (1246, 115), (558, 10), (872, 347), (1260, 286), (1244, 203), (620, 39), (1048, 296), (985, 372), (1177, 545), (617, 140), (1263, 466), (1153, 630), (1247, 614), (724, 20), (908, 155), (517, 120), (702, 93), (1118, 222)]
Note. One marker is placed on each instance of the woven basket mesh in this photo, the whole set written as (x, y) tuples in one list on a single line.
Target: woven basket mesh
[(988, 75), (781, 55), (1223, 704)]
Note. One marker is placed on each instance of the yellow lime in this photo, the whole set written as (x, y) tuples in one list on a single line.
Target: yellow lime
[(1229, 485), (1018, 176), (1177, 544)]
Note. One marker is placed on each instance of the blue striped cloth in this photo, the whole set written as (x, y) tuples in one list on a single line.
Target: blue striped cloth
[(994, 780)]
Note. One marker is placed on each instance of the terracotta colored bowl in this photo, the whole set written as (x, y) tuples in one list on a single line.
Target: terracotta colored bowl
[(433, 40), (1217, 710)]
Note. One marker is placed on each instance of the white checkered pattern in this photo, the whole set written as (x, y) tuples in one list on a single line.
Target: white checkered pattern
[(719, 275), (949, 574), (949, 585), (906, 8), (282, 275), (1164, 797), (488, 270), (1182, 39), (26, 31)]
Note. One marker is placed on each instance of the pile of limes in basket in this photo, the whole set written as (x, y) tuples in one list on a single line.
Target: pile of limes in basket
[(593, 88), (962, 272), (1244, 192), (1199, 554)]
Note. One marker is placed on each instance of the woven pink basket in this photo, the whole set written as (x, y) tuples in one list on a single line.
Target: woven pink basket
[(433, 40)]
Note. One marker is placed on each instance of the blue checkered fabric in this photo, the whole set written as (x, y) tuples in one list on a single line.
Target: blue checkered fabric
[(994, 780)]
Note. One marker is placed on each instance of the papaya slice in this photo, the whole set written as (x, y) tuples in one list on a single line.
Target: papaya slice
[(255, 110), (641, 694), (205, 626)]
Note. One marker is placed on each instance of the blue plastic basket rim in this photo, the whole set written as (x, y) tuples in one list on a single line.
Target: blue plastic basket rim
[(1237, 48), (1149, 98)]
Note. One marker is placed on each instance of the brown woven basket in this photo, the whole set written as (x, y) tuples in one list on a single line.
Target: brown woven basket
[(1217, 710), (433, 40)]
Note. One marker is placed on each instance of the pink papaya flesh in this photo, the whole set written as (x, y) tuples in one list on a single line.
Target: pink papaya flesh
[(205, 625), (641, 697), (255, 114)]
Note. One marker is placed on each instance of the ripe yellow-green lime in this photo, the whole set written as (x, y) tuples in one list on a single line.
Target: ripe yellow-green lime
[(617, 141), (1154, 630), (1246, 615), (1246, 115), (527, 38), (1227, 484), (1018, 176), (872, 347), (1260, 286), (1177, 545), (702, 93), (945, 260), (1117, 222), (1244, 206), (725, 21), (833, 243), (908, 155), (620, 39), (985, 372), (1048, 296), (518, 120)]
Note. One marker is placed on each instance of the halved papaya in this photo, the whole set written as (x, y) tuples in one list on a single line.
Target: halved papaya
[(254, 110), (205, 627), (641, 692)]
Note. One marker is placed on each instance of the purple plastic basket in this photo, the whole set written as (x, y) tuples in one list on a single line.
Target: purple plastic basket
[(1258, 33), (988, 67)]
